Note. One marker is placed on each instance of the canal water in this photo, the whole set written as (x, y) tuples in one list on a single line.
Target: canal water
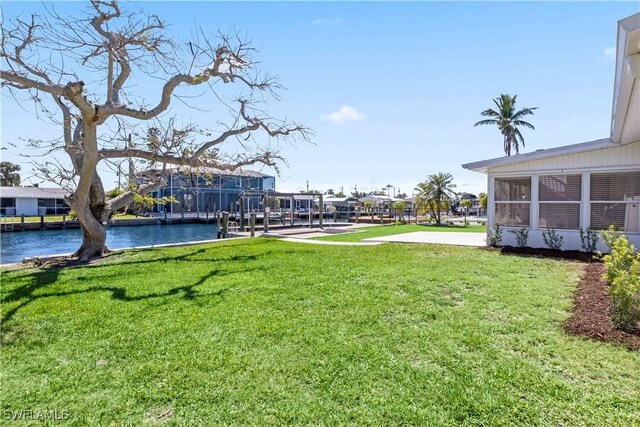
[(15, 246)]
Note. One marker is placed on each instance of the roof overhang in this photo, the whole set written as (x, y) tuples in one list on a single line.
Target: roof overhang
[(484, 165), (625, 110), (33, 193)]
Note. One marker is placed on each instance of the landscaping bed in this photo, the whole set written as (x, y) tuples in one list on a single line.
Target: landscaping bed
[(551, 253), (590, 315)]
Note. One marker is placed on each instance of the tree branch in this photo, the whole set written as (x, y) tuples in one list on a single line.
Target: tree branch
[(22, 82)]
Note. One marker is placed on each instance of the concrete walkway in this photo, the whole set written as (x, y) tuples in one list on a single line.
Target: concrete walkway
[(446, 238), (326, 242)]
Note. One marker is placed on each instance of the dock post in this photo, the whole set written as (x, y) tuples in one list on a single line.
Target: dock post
[(225, 225), (321, 212), (292, 209), (252, 223), (21, 222), (64, 222), (182, 215), (41, 222), (241, 205)]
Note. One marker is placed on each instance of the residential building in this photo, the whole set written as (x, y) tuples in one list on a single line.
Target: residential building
[(210, 190), (593, 185), (33, 201)]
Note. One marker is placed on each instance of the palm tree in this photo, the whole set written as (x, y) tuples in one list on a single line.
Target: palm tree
[(508, 120), (466, 204), (437, 189)]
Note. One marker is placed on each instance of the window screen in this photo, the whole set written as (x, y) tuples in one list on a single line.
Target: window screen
[(624, 216), (560, 188), (513, 214), (615, 200), (615, 186), (559, 215), (513, 189)]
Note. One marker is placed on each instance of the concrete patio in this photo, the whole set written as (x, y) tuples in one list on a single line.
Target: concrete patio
[(459, 239)]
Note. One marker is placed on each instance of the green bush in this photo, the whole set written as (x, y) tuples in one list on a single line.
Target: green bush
[(588, 239), (495, 235), (622, 273), (522, 235), (552, 239)]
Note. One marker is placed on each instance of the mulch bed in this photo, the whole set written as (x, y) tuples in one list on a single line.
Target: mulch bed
[(590, 315), (548, 253)]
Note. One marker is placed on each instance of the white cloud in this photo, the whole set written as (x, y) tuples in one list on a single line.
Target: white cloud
[(610, 52), (345, 114), (327, 21)]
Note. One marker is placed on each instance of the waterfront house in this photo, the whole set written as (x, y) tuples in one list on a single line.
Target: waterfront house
[(210, 190), (33, 201), (593, 184)]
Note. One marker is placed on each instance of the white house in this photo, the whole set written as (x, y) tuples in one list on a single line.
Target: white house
[(33, 201), (589, 185)]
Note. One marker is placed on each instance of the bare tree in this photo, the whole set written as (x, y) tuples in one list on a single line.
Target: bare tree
[(78, 71)]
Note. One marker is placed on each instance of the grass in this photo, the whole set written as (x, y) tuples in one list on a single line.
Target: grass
[(388, 230), (267, 332)]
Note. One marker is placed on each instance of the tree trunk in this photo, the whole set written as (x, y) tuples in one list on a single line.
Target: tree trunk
[(93, 219), (94, 237)]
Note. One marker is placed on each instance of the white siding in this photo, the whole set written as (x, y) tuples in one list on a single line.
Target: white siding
[(26, 206), (618, 157), (615, 159)]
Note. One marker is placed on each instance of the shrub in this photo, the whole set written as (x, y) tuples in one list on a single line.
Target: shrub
[(622, 272), (495, 235), (552, 239), (522, 235), (589, 239)]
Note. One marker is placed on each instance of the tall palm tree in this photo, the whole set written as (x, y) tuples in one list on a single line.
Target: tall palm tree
[(508, 120), (435, 191)]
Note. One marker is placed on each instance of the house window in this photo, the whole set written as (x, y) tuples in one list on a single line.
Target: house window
[(615, 200), (8, 206), (52, 207), (559, 197), (513, 201)]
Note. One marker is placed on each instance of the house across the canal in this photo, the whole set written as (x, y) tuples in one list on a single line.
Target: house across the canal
[(210, 190)]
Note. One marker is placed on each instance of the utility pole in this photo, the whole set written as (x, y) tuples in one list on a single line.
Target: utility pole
[(307, 186)]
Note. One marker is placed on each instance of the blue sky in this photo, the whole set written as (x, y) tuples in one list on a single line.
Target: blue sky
[(392, 90)]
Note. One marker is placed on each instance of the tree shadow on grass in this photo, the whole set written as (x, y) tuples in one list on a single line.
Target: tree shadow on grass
[(43, 277)]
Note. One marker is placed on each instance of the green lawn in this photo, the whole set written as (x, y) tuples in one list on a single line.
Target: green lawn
[(388, 230), (267, 332)]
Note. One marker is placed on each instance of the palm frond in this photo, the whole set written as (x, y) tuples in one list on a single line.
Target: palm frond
[(523, 123), (524, 112), (486, 122), (490, 113)]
